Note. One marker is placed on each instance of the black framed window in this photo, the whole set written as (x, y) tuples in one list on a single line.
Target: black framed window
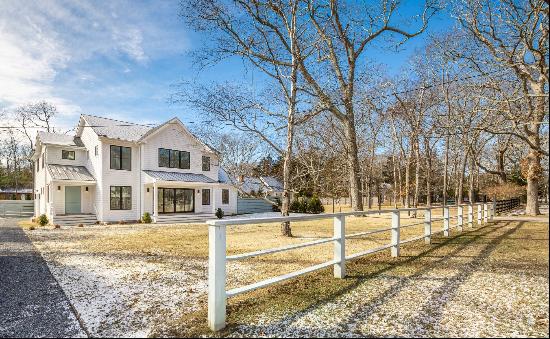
[(37, 165), (174, 158), (121, 197), (205, 163), (185, 160), (69, 155), (164, 157), (225, 196), (43, 158), (121, 158), (96, 150), (206, 197)]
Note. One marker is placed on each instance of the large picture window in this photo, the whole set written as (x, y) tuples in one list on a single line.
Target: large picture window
[(176, 200), (174, 158), (121, 158), (121, 197), (205, 163), (206, 197), (225, 196), (68, 155)]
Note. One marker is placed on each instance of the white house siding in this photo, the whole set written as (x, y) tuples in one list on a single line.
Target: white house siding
[(94, 165), (112, 177), (53, 156), (174, 137)]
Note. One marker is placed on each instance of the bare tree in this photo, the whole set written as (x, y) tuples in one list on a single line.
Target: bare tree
[(516, 36)]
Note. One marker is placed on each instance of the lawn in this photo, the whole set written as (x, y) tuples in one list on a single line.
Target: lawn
[(137, 280)]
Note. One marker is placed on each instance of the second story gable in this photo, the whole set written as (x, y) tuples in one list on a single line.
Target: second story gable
[(117, 145)]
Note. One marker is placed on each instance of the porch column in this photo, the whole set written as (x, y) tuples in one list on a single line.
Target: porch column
[(155, 201), (213, 202)]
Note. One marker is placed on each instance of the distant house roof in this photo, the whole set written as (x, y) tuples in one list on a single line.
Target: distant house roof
[(116, 129), (250, 185), (67, 172), (59, 139), (177, 176), (272, 183), (13, 190)]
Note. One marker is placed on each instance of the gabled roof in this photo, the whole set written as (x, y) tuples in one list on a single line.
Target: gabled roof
[(272, 183), (177, 176), (176, 121), (59, 139), (116, 129), (67, 172)]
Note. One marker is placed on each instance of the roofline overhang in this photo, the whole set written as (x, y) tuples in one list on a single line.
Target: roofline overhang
[(79, 182)]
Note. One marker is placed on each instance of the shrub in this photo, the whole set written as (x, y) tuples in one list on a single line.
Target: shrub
[(295, 206), (57, 226), (277, 206), (43, 220), (219, 213), (32, 228), (147, 218), (80, 225), (315, 206)]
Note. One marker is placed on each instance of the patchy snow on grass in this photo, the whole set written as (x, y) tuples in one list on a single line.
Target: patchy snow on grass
[(123, 295)]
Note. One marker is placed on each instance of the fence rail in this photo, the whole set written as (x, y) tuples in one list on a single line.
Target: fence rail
[(16, 208), (217, 259), (507, 205)]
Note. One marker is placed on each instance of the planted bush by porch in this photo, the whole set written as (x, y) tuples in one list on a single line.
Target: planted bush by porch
[(146, 219), (311, 205), (43, 220)]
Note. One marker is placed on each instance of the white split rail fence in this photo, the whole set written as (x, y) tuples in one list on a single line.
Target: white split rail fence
[(217, 257)]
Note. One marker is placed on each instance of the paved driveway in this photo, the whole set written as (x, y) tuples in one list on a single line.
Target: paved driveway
[(31, 302)]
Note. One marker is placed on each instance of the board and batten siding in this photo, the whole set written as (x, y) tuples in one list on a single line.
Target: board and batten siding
[(53, 156), (94, 164), (111, 177), (175, 138)]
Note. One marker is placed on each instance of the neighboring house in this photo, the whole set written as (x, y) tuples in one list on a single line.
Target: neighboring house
[(269, 186), (116, 171), (15, 194)]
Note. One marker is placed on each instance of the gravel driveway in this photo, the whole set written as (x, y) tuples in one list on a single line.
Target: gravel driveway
[(31, 302)]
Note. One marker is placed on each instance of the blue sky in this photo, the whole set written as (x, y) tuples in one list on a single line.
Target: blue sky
[(118, 58)]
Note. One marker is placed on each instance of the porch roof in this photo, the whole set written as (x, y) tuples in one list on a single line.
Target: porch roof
[(176, 176), (72, 173)]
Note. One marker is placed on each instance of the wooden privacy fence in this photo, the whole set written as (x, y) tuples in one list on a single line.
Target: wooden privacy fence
[(16, 208), (217, 257), (507, 205)]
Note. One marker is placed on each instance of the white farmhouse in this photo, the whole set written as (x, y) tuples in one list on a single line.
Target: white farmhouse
[(113, 171)]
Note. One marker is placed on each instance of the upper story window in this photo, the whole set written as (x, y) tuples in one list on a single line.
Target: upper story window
[(121, 158), (174, 159), (205, 163), (69, 155), (96, 150)]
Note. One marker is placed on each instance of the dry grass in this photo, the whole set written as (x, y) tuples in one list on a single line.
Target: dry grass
[(515, 248)]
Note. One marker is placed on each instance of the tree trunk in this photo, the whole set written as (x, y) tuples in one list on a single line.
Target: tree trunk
[(417, 175), (446, 171), (533, 174), (460, 184), (471, 195), (353, 164)]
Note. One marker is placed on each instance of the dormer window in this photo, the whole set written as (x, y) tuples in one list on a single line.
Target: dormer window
[(68, 155), (205, 163)]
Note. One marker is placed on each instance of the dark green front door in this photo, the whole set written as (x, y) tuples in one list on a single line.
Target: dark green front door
[(72, 199)]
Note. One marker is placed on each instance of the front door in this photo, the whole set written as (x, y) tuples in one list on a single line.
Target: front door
[(72, 199)]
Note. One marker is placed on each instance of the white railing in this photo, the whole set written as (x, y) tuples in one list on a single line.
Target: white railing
[(217, 258)]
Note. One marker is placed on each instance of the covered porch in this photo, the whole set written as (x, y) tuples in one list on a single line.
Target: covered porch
[(174, 196), (71, 195)]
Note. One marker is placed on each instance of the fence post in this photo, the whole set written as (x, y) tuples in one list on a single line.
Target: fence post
[(470, 215), (479, 220), (485, 212), (395, 233), (494, 208), (428, 226), (340, 246), (446, 221), (460, 217), (216, 277)]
